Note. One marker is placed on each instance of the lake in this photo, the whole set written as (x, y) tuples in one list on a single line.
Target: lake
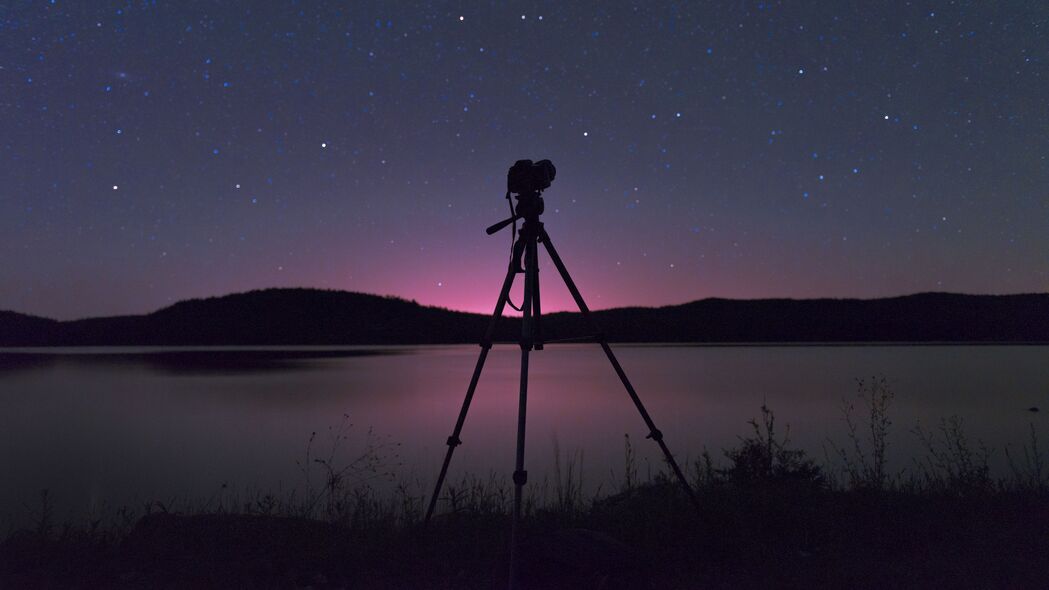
[(104, 427)]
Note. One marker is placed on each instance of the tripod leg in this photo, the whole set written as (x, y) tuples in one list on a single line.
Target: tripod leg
[(527, 334), (653, 432), (537, 325), (486, 345)]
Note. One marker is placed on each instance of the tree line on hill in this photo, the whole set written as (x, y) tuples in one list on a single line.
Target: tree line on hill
[(325, 317)]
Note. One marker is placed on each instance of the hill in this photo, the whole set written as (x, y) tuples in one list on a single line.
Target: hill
[(322, 317), (18, 329)]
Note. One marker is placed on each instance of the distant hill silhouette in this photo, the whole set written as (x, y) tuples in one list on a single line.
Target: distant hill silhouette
[(322, 317), (18, 329)]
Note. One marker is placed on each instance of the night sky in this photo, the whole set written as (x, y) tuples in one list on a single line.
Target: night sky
[(155, 151)]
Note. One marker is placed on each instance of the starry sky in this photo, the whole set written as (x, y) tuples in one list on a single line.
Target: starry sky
[(158, 150)]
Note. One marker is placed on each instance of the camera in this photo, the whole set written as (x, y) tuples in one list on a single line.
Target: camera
[(528, 177)]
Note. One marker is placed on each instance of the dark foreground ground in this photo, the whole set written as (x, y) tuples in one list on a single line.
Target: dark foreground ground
[(648, 537)]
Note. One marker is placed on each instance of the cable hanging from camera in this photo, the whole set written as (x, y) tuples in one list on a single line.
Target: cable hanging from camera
[(513, 238)]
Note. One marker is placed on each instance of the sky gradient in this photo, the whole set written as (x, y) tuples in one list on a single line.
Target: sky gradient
[(155, 151)]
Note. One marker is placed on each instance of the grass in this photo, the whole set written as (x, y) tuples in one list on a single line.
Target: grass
[(771, 516)]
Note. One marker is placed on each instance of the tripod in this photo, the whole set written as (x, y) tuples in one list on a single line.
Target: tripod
[(526, 247)]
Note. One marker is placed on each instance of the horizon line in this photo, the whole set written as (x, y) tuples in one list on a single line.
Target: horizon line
[(593, 309)]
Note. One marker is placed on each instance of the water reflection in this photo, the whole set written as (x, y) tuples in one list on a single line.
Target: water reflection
[(202, 361), (119, 426)]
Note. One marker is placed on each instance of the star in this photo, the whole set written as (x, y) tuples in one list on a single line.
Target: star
[(426, 112)]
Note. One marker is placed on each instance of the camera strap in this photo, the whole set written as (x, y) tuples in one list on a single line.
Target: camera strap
[(513, 239)]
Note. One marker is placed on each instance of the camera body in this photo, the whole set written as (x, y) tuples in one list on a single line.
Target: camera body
[(528, 177), (526, 180)]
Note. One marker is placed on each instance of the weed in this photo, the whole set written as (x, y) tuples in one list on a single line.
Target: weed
[(44, 518), (1031, 475), (865, 464), (953, 464), (568, 486), (370, 463)]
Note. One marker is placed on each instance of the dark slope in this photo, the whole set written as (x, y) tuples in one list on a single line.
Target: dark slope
[(311, 316), (281, 316), (925, 317), (18, 329)]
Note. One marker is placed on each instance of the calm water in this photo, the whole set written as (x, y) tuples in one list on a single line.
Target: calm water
[(104, 427)]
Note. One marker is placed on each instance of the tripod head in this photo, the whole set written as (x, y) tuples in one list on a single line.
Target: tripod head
[(528, 180), (529, 207)]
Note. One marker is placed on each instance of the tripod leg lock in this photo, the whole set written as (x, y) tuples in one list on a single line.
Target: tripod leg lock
[(520, 477), (655, 435), (453, 441)]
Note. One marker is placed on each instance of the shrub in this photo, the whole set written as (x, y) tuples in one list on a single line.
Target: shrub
[(762, 459)]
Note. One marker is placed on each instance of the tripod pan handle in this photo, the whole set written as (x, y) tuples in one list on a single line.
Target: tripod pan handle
[(498, 226)]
